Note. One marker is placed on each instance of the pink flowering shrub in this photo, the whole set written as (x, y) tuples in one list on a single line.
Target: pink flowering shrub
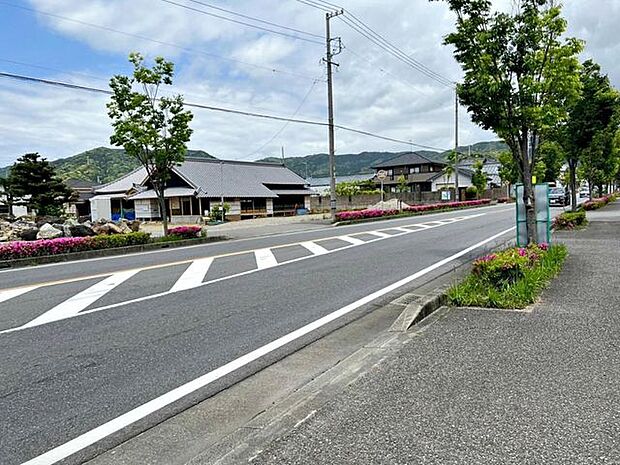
[(506, 267), (186, 232), (375, 213), (62, 245), (595, 204)]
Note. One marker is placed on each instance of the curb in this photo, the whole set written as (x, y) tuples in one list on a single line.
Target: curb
[(416, 311), (22, 262)]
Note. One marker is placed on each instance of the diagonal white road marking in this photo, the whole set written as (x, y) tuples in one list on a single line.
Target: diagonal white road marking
[(12, 293), (265, 259), (315, 248), (351, 240), (80, 301), (194, 275), (100, 432), (378, 234)]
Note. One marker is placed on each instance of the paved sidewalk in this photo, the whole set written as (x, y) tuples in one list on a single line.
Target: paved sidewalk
[(491, 387)]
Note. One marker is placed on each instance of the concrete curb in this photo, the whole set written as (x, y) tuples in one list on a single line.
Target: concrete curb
[(107, 252), (416, 311)]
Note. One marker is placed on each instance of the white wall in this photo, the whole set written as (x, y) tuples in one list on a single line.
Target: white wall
[(146, 209), (270, 206), (100, 208), (443, 181)]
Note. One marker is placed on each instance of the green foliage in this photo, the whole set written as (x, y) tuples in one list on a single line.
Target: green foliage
[(120, 240), (521, 74), (35, 184), (552, 157), (471, 193), (154, 130), (479, 178), (508, 170), (349, 188), (402, 185), (514, 281), (570, 220), (216, 211)]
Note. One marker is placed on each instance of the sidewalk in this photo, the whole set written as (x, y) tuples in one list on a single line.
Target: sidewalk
[(491, 387)]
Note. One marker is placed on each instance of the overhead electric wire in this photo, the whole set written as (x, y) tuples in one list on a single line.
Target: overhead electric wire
[(156, 41), (360, 27), (220, 109), (214, 7), (265, 29)]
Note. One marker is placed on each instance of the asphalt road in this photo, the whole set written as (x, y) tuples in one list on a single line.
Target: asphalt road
[(89, 342)]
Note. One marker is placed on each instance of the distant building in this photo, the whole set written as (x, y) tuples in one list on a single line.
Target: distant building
[(321, 185), (84, 191), (421, 173), (196, 187), (490, 167), (17, 210)]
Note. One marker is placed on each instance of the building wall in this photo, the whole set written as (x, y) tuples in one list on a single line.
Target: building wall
[(146, 209), (100, 208), (269, 206)]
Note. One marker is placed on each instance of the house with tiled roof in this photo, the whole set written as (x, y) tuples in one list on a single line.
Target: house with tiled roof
[(198, 185)]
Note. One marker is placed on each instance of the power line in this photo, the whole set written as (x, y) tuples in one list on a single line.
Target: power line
[(221, 109), (158, 42), (366, 31), (281, 130), (265, 29), (256, 19)]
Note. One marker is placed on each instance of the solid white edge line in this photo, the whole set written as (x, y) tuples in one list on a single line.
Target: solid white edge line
[(91, 437), (380, 237), (236, 241)]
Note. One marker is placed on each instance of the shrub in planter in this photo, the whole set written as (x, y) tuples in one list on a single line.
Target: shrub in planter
[(120, 240), (471, 193), (570, 220), (185, 232), (507, 267)]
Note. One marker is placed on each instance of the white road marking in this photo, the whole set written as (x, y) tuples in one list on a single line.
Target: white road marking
[(80, 301), (95, 435), (265, 259), (194, 275), (406, 230), (424, 226), (12, 293), (351, 240), (378, 234), (315, 248)]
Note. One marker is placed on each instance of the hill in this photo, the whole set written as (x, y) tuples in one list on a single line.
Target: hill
[(99, 165), (316, 166)]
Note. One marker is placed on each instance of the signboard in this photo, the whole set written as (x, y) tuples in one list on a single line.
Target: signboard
[(381, 175), (543, 215), (446, 195)]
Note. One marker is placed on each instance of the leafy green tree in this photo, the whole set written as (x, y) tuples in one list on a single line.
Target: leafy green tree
[(508, 169), (520, 75), (350, 188), (552, 158), (33, 182), (479, 178), (152, 129), (590, 129)]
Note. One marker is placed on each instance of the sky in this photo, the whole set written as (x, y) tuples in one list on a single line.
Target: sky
[(226, 64)]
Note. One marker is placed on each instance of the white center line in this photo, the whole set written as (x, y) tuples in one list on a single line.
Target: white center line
[(194, 275), (351, 240), (315, 248), (265, 259), (100, 432), (80, 301)]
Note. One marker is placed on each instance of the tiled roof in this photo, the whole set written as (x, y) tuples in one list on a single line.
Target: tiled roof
[(407, 159), (137, 176)]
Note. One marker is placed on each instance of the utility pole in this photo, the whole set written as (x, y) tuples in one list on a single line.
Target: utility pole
[(456, 144), (330, 53)]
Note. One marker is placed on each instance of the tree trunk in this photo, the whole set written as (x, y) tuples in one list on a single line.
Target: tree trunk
[(161, 201), (572, 169), (528, 193)]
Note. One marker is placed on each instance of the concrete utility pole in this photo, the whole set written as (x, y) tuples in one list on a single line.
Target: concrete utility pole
[(330, 53), (456, 144)]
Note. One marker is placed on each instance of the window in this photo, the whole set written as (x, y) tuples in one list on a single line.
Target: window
[(431, 168), (186, 206), (414, 169)]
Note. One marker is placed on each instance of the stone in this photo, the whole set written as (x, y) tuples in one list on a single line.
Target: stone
[(124, 227), (29, 234), (49, 219), (135, 225), (115, 229), (47, 231), (81, 230)]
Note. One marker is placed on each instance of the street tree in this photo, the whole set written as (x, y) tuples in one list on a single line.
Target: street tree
[(479, 178), (520, 75), (33, 182), (587, 137), (151, 128)]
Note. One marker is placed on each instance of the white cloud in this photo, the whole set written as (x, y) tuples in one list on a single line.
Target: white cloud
[(373, 91)]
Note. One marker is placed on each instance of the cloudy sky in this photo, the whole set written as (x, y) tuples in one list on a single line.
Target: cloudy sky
[(226, 64)]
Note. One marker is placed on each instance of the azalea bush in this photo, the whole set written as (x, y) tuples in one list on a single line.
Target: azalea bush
[(512, 278), (62, 245), (185, 232), (570, 220), (413, 210), (595, 204)]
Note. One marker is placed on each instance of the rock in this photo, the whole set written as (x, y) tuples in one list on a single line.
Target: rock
[(71, 222), (101, 229), (49, 219), (124, 227), (47, 231), (135, 225), (29, 234), (114, 229), (81, 230)]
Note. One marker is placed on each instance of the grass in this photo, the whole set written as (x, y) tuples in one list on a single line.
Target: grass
[(475, 291)]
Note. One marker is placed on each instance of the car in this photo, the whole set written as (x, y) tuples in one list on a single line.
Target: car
[(558, 196), (584, 193)]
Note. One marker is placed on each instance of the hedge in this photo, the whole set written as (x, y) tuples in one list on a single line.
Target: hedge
[(570, 220), (376, 213), (595, 204), (62, 245)]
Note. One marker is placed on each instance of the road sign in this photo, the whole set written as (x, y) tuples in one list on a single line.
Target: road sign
[(381, 175)]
